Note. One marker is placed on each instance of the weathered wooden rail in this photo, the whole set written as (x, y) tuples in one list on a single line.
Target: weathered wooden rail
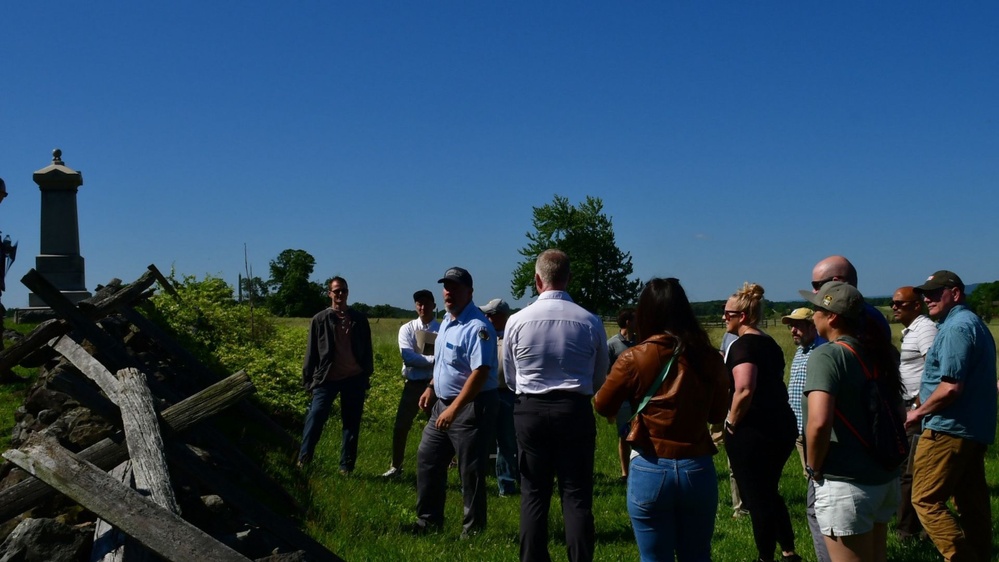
[(149, 445)]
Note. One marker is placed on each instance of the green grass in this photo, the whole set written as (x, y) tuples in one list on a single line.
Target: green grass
[(12, 395), (360, 517)]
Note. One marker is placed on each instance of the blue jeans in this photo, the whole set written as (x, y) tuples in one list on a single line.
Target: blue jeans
[(351, 391), (672, 504), (507, 475)]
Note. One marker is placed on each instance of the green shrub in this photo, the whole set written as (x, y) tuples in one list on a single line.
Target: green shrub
[(229, 337)]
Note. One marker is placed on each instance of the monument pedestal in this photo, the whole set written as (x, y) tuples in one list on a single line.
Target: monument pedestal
[(59, 261)]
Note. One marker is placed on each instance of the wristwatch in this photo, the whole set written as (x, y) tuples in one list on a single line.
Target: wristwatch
[(812, 474), (729, 426)]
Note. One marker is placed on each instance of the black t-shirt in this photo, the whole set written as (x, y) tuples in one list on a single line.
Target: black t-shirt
[(769, 409)]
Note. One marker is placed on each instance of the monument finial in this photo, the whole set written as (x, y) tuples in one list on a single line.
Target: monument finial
[(57, 157)]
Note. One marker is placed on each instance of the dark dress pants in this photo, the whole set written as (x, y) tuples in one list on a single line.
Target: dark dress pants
[(556, 436), (351, 391), (409, 406), (470, 437)]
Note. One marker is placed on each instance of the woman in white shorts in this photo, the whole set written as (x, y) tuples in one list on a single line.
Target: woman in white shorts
[(855, 496)]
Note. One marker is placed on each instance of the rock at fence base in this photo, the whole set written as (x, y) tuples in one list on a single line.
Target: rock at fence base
[(214, 504), (45, 540), (297, 556), (84, 428)]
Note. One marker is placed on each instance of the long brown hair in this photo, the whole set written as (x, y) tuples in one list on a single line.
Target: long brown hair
[(663, 307)]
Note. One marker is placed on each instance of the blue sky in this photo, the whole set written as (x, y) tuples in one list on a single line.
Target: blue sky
[(729, 141)]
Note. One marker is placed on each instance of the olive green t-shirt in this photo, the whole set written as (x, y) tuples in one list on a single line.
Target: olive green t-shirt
[(834, 369)]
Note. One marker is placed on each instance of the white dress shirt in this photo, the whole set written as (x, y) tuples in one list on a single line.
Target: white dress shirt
[(415, 365), (555, 344)]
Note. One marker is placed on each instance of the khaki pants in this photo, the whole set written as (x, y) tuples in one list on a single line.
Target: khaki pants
[(950, 467)]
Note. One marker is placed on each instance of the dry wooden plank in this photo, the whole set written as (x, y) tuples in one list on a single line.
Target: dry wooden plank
[(111, 348), (98, 306), (112, 451), (159, 530), (82, 360), (110, 544), (164, 282), (142, 434)]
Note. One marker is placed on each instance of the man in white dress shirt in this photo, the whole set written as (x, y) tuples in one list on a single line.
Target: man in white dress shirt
[(417, 370), (556, 358)]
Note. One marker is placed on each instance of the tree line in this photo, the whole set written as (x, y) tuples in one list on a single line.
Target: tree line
[(601, 282)]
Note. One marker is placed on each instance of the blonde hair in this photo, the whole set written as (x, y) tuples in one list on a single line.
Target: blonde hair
[(749, 299)]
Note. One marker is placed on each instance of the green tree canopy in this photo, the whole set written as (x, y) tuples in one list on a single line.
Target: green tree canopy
[(983, 299), (600, 269), (294, 295)]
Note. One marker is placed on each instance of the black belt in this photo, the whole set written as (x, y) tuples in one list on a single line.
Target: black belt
[(558, 395)]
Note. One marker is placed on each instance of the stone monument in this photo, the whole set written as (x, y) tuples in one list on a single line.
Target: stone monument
[(59, 260)]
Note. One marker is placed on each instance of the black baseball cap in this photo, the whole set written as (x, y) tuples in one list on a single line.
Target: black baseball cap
[(458, 275), (942, 278)]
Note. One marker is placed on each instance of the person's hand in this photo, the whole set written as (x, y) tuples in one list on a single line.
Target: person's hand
[(446, 418), (426, 399), (912, 418)]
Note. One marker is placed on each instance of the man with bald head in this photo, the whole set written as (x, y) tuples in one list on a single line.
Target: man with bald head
[(917, 337), (838, 268)]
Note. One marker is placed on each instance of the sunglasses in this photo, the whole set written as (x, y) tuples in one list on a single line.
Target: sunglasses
[(818, 284), (730, 313), (338, 291), (899, 304)]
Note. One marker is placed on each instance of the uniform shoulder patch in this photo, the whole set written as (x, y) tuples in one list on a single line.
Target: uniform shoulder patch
[(483, 334)]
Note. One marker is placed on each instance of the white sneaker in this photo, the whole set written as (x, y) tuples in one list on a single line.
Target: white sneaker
[(392, 473)]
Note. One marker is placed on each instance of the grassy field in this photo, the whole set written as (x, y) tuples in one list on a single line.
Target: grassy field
[(360, 516)]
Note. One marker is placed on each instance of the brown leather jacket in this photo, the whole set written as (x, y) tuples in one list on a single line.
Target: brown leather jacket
[(674, 424)]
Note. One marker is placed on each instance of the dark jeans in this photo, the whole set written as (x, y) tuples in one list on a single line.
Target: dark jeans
[(507, 475), (471, 437), (757, 460), (556, 435), (352, 391), (409, 406)]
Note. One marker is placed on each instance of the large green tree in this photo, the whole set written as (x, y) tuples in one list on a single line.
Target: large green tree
[(600, 269), (294, 295)]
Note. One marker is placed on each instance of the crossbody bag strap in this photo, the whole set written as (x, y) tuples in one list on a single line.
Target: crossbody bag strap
[(867, 374), (655, 385)]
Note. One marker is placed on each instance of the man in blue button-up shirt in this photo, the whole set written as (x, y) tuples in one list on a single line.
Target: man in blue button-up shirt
[(958, 414), (464, 415)]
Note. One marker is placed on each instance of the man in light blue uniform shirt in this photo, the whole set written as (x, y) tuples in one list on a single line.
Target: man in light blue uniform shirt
[(958, 414), (555, 359), (463, 418)]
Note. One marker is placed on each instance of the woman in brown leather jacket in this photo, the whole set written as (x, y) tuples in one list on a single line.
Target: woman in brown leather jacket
[(672, 487)]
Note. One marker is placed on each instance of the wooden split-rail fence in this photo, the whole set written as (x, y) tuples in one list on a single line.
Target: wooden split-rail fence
[(125, 479)]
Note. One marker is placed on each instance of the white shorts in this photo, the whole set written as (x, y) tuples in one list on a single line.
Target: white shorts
[(849, 508)]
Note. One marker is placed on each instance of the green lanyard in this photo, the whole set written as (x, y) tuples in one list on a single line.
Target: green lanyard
[(655, 386)]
